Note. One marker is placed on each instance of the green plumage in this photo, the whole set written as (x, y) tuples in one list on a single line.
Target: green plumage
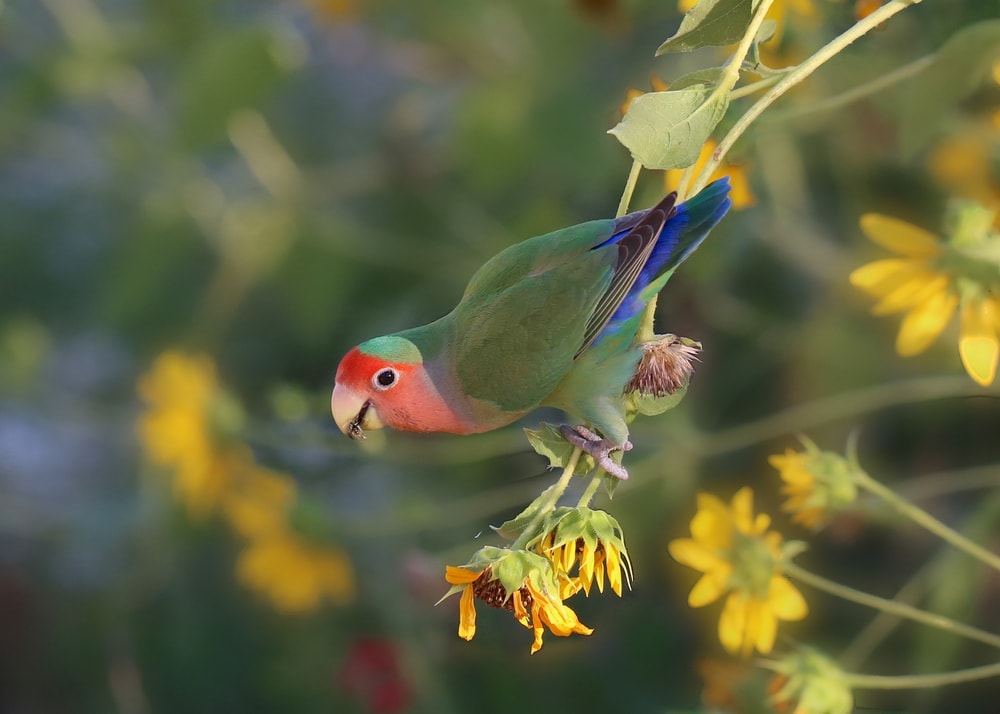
[(551, 321)]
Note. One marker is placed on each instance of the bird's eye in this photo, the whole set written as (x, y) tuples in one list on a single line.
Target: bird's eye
[(384, 378)]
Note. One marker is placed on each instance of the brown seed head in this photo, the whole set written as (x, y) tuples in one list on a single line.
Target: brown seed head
[(666, 366)]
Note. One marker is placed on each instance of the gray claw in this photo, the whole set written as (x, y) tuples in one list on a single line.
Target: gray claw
[(599, 448)]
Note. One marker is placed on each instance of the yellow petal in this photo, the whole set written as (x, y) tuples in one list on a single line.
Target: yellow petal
[(743, 509), (881, 276), (614, 569), (467, 615), (732, 622), (686, 552), (762, 629), (924, 323), (785, 600), (978, 344), (708, 589), (899, 236), (917, 289), (459, 576), (712, 525)]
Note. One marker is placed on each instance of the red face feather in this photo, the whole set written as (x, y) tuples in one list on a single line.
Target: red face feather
[(372, 391)]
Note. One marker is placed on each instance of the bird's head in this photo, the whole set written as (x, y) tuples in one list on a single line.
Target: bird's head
[(377, 384)]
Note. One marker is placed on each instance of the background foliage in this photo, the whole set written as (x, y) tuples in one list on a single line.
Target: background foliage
[(271, 183)]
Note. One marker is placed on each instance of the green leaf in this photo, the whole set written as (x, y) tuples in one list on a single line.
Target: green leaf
[(515, 526), (550, 443), (706, 76), (958, 69), (666, 130), (651, 406), (710, 23)]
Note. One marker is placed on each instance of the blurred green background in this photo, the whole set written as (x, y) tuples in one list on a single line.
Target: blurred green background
[(272, 182)]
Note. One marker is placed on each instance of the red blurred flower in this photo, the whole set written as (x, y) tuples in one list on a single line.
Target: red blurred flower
[(371, 673)]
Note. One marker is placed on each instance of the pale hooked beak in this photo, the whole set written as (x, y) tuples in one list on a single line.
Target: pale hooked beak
[(353, 413)]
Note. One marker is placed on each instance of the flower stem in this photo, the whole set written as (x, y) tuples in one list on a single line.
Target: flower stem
[(891, 606), (838, 407), (633, 177), (908, 681), (926, 520), (588, 494), (923, 681), (855, 93), (825, 53), (558, 489)]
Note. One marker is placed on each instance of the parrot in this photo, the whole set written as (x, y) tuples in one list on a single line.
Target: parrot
[(548, 322)]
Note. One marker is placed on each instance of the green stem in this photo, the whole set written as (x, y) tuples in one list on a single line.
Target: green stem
[(923, 681), (882, 625), (927, 521), (891, 606), (554, 495), (841, 407), (855, 93), (633, 177), (730, 76), (588, 494), (748, 89), (827, 52)]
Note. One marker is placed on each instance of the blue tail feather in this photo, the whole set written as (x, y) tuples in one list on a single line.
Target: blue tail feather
[(681, 235)]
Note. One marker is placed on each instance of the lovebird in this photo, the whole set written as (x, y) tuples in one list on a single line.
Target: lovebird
[(550, 321)]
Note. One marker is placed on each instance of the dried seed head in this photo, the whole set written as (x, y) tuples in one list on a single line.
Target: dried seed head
[(666, 366), (493, 593)]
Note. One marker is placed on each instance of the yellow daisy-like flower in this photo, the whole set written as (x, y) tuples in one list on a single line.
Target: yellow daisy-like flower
[(929, 282), (184, 429), (536, 603), (739, 193), (592, 543), (739, 556), (817, 484), (294, 573)]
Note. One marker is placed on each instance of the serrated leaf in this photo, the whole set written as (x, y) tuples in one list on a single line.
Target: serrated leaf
[(550, 443), (666, 130), (710, 23), (706, 76), (958, 69)]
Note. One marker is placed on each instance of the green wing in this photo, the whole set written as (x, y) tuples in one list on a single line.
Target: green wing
[(525, 313)]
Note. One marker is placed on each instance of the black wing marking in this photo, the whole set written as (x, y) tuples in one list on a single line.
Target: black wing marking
[(634, 250)]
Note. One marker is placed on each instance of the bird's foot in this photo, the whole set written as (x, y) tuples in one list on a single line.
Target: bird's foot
[(599, 448)]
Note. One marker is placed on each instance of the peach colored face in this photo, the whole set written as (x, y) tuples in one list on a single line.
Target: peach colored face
[(370, 393)]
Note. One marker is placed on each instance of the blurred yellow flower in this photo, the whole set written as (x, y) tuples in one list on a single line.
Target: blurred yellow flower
[(294, 573), (738, 555), (963, 164), (740, 193), (259, 503), (817, 483), (536, 603), (184, 429), (928, 283)]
